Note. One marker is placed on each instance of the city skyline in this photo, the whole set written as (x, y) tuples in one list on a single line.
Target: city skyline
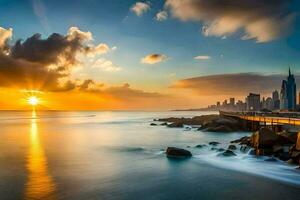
[(286, 100)]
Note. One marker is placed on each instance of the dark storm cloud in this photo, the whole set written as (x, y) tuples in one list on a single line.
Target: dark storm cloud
[(231, 84), (262, 20), (45, 64), (42, 63)]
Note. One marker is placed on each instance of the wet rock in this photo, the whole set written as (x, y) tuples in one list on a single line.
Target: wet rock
[(188, 146), (264, 152), (177, 152), (298, 142), (153, 124), (200, 146), (212, 123), (220, 128), (243, 141), (220, 150), (264, 138), (214, 143), (252, 152), (164, 124), (232, 147), (214, 148), (244, 148), (228, 153), (175, 125), (290, 161)]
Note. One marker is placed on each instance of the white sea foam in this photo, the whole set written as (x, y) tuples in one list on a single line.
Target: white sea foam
[(277, 170)]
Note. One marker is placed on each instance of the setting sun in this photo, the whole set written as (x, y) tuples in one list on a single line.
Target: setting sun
[(33, 100)]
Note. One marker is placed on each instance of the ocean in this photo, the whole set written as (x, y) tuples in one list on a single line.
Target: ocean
[(85, 155)]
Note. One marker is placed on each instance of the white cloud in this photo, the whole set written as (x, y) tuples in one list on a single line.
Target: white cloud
[(203, 57), (261, 21), (75, 32), (161, 16), (5, 35), (139, 8), (106, 65)]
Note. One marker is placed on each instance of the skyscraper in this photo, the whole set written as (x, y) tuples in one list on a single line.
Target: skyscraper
[(283, 96), (291, 92), (253, 102), (288, 94), (276, 100)]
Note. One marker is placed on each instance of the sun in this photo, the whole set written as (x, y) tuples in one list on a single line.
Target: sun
[(33, 100)]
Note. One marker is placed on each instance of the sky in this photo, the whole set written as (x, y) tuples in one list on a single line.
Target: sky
[(144, 55)]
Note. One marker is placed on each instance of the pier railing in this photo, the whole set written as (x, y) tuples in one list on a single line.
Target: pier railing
[(263, 117)]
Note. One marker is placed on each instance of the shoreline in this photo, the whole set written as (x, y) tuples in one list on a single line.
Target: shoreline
[(282, 145)]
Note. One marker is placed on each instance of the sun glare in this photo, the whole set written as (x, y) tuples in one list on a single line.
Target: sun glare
[(33, 100)]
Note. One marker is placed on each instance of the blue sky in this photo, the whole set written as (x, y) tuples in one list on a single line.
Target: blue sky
[(113, 23)]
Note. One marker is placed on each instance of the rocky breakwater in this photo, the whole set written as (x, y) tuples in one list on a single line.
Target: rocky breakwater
[(265, 142), (209, 123)]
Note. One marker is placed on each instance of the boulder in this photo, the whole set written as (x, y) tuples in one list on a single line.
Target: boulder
[(220, 150), (252, 152), (213, 143), (264, 138), (177, 152), (244, 140), (175, 125), (200, 146), (294, 154), (153, 124), (264, 152), (244, 148), (298, 142), (228, 153), (286, 138), (232, 147)]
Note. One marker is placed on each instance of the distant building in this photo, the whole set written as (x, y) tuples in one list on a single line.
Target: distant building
[(283, 96), (241, 106), (291, 92), (232, 101), (253, 102), (288, 94), (276, 100), (269, 103)]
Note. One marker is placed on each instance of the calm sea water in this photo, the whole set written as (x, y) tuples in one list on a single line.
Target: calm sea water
[(117, 155)]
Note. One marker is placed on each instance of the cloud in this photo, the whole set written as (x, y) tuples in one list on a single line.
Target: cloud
[(106, 65), (45, 64), (231, 84), (161, 16), (5, 36), (202, 57), (263, 20), (153, 59), (139, 8), (123, 92)]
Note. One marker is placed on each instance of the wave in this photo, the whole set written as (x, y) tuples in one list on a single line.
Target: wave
[(277, 170)]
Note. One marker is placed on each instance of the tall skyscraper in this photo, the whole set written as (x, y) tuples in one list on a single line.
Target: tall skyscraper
[(253, 102), (291, 92), (283, 96), (288, 94)]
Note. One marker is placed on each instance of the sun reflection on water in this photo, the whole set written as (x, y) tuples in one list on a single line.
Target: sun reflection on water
[(40, 184)]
